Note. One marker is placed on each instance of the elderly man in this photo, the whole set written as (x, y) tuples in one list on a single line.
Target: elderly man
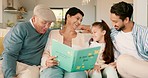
[(24, 45)]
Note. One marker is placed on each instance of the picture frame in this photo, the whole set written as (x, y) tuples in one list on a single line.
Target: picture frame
[(10, 3)]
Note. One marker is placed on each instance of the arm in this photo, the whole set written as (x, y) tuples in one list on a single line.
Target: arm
[(146, 43), (85, 28), (146, 47), (12, 45), (48, 60)]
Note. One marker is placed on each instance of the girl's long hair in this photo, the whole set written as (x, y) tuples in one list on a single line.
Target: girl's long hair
[(108, 54)]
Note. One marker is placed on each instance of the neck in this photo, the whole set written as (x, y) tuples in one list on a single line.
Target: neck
[(67, 32), (102, 40), (128, 27)]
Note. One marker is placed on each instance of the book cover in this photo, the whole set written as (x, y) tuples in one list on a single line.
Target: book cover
[(73, 60)]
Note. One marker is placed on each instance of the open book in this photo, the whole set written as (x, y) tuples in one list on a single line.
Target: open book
[(73, 60)]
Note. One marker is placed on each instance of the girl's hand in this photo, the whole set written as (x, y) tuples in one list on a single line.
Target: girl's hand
[(113, 64), (97, 68)]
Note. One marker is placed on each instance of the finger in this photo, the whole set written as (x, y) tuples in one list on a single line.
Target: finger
[(93, 70), (52, 61), (49, 61), (52, 57), (55, 63), (98, 70), (50, 64)]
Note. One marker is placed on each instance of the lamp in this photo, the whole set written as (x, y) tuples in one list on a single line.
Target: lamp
[(84, 2)]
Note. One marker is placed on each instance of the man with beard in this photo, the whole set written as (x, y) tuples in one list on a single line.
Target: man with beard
[(130, 41)]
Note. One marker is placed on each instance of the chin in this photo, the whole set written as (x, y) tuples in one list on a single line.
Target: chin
[(119, 29), (94, 39), (42, 32)]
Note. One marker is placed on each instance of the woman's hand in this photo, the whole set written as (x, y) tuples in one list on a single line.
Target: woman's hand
[(85, 28), (51, 61)]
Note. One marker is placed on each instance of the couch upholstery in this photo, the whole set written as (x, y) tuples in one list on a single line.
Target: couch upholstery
[(1, 45)]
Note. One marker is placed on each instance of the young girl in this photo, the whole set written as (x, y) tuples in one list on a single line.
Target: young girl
[(105, 66)]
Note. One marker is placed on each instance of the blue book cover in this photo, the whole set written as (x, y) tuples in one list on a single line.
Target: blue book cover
[(73, 60)]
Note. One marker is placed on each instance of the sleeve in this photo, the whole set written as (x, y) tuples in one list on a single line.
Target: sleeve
[(44, 58), (146, 45), (114, 32), (46, 52), (48, 44), (12, 45)]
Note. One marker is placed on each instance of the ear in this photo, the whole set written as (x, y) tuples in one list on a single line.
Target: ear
[(33, 18), (68, 16), (104, 32), (126, 20)]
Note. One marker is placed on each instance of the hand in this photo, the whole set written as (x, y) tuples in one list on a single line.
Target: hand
[(51, 61), (113, 64), (97, 68), (85, 28)]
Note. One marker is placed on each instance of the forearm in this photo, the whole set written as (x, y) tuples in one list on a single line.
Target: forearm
[(48, 61), (9, 66), (45, 56)]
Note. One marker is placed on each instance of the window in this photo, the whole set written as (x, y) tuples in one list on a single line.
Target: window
[(60, 17)]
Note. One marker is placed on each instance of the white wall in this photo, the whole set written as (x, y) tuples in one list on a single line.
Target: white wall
[(89, 9), (103, 9), (1, 11), (140, 12), (12, 17)]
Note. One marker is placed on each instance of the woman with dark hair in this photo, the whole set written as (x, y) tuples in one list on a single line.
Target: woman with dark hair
[(67, 35), (105, 61)]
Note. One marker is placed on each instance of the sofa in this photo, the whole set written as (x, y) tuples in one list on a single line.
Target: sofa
[(1, 45)]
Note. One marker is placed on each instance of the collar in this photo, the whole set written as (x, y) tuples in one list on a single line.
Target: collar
[(31, 23)]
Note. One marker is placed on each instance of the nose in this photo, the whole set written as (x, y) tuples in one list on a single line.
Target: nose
[(113, 23), (79, 22)]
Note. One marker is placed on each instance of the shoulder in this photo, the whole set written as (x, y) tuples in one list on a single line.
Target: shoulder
[(23, 24), (54, 31), (114, 33), (22, 27), (54, 34), (137, 26), (140, 29)]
